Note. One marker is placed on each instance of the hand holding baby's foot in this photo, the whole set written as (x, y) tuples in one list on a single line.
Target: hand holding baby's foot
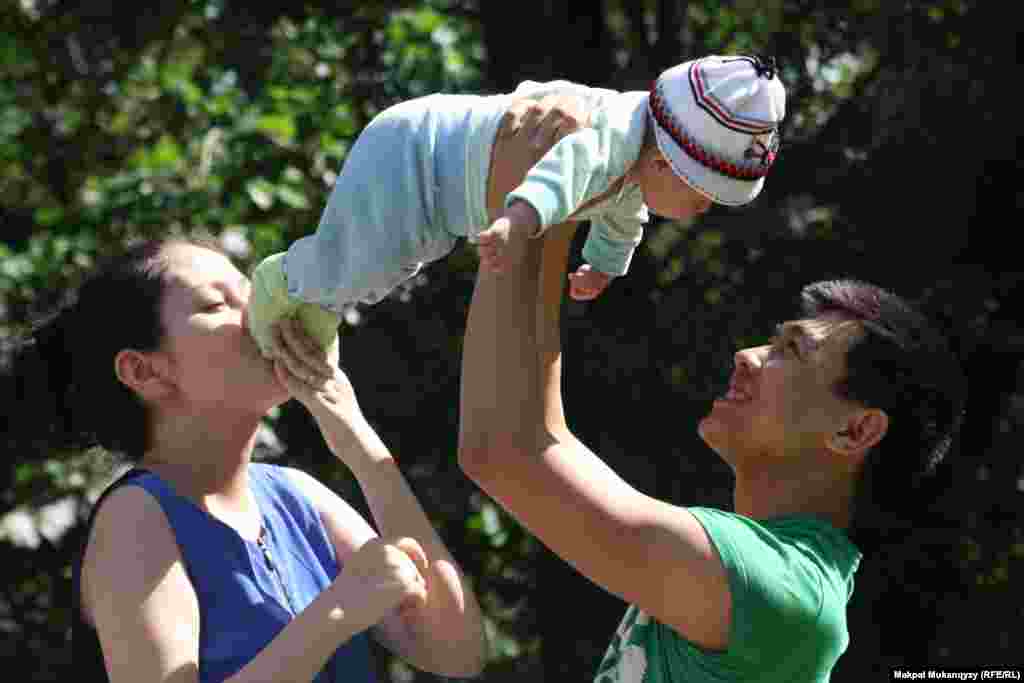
[(586, 283), (492, 242)]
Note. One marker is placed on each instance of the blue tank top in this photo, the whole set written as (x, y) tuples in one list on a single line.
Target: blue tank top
[(248, 591)]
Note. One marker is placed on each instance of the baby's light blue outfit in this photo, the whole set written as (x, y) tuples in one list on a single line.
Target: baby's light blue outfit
[(416, 181)]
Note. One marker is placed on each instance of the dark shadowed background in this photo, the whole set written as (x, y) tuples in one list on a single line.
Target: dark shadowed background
[(898, 164)]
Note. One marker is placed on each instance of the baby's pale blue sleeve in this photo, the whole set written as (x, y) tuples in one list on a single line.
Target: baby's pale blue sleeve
[(582, 165), (571, 172), (610, 245), (591, 96)]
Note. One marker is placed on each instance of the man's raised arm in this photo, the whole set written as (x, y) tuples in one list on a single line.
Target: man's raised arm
[(514, 443)]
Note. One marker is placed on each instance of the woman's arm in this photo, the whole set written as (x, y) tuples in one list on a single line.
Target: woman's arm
[(145, 610), (446, 635)]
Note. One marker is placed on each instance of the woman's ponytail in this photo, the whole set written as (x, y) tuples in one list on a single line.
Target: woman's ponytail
[(66, 394)]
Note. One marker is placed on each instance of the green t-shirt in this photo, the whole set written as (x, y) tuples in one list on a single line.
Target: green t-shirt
[(790, 579)]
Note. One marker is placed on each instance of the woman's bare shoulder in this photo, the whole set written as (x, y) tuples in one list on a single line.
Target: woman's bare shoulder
[(131, 546)]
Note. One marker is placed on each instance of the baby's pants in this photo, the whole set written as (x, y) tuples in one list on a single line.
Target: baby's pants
[(398, 204), (383, 219)]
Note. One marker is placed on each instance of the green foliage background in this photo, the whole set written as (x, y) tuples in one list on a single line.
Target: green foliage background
[(119, 121)]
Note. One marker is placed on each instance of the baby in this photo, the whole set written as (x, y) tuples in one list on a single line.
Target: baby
[(420, 176)]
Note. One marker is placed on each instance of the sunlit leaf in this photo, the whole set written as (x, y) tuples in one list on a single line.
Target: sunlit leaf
[(279, 126), (292, 197), (261, 191), (49, 215)]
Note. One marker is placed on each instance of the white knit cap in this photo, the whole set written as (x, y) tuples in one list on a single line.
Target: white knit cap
[(717, 121)]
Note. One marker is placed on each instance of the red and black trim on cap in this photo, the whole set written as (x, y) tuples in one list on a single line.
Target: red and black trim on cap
[(706, 100), (695, 151)]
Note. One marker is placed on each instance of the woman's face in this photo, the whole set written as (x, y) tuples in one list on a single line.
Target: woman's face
[(213, 360)]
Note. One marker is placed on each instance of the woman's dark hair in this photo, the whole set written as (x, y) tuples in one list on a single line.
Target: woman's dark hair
[(67, 395), (903, 365)]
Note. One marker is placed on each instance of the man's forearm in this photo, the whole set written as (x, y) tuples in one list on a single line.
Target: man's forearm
[(551, 284), (499, 373), (523, 219)]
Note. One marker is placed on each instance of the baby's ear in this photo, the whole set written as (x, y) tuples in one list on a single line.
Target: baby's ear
[(661, 163)]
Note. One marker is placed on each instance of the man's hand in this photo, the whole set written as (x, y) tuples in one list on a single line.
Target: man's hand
[(543, 123), (528, 130), (586, 283)]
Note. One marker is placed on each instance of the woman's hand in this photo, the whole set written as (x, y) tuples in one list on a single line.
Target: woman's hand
[(312, 376), (382, 577), (310, 373)]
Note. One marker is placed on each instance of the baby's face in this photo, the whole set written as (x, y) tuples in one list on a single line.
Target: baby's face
[(668, 195)]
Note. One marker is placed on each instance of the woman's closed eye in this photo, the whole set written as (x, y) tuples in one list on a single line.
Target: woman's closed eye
[(214, 306), (219, 296)]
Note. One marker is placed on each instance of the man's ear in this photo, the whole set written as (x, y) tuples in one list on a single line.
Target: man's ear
[(862, 431), (143, 373)]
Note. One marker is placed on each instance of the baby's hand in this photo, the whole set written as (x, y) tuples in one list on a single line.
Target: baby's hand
[(492, 243), (586, 283), (520, 218)]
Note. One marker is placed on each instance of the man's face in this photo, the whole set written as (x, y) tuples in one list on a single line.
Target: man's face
[(781, 400)]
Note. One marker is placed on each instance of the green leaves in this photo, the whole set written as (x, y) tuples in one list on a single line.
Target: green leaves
[(490, 522), (279, 127), (261, 191), (165, 156), (264, 194)]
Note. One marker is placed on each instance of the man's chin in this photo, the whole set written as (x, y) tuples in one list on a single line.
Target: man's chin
[(718, 436), (710, 430)]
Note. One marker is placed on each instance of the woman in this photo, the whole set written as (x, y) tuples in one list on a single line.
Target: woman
[(201, 565)]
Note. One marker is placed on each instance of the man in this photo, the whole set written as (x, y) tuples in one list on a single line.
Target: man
[(833, 421)]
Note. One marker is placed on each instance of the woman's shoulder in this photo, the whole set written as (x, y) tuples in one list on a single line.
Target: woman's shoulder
[(130, 543), (130, 515), (128, 503)]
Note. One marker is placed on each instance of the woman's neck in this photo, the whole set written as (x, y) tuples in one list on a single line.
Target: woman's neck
[(204, 457)]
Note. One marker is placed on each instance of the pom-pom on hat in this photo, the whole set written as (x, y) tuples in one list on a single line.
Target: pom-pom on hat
[(717, 124)]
